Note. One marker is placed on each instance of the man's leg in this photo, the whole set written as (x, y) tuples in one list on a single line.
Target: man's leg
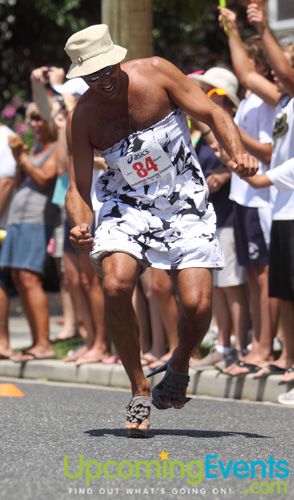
[(120, 274), (194, 286)]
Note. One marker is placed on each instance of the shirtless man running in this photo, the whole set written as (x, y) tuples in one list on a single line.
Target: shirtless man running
[(155, 201)]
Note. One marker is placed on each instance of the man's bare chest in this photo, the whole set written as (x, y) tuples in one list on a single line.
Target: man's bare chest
[(112, 127)]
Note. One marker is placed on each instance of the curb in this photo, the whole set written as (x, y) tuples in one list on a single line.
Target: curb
[(202, 383)]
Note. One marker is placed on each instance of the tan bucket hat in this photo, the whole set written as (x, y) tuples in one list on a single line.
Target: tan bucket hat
[(92, 49), (220, 78)]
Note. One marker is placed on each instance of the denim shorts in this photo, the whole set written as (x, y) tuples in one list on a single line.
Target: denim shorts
[(25, 247)]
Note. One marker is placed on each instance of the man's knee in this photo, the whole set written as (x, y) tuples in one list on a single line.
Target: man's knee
[(117, 286), (196, 308)]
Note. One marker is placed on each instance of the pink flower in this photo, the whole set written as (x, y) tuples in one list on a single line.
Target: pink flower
[(21, 128), (9, 112), (16, 101)]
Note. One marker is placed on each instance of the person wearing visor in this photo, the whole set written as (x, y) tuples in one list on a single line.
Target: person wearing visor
[(230, 306), (155, 201)]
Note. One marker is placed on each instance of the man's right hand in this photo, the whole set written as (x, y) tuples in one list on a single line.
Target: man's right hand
[(81, 238)]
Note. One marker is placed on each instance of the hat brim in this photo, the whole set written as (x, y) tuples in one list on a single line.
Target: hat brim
[(216, 84), (74, 86), (95, 63)]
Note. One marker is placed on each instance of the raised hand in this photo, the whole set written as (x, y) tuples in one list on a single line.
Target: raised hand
[(256, 16), (227, 19)]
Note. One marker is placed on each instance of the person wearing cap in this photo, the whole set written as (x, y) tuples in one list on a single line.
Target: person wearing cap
[(155, 208), (230, 307)]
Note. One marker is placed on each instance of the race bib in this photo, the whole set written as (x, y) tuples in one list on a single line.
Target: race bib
[(144, 166)]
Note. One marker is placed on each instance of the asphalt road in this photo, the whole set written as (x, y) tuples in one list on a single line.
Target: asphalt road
[(58, 431)]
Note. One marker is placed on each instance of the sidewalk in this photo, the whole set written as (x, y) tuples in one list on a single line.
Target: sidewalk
[(204, 383)]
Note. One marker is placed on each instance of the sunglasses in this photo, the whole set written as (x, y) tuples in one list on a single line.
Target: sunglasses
[(93, 77), (35, 118)]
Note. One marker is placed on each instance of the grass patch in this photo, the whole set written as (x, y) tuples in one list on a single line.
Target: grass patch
[(62, 347)]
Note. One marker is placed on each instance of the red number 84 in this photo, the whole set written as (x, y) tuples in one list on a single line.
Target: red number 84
[(142, 170)]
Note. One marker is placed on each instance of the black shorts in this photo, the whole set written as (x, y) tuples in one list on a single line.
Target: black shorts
[(281, 270), (251, 228)]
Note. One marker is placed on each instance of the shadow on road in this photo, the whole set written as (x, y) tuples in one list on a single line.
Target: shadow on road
[(176, 432)]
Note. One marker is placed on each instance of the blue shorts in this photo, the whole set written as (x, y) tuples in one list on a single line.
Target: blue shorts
[(25, 247), (252, 234)]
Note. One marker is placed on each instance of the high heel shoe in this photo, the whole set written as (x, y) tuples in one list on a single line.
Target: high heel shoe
[(169, 392), (138, 412), (160, 369)]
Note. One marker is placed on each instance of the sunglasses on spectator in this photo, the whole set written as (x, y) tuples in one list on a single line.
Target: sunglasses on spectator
[(217, 91), (93, 77), (35, 118)]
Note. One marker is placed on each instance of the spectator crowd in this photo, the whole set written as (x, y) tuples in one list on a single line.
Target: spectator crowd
[(253, 296)]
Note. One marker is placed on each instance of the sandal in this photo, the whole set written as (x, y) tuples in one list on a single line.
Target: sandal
[(171, 387), (138, 412)]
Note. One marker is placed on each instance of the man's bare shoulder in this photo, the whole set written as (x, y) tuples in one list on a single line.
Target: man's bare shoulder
[(86, 104), (149, 65)]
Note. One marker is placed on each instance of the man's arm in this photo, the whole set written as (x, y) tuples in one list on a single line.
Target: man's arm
[(195, 103), (244, 67), (257, 16), (6, 187), (78, 200)]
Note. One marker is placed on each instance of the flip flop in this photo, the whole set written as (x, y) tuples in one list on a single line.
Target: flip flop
[(286, 382), (268, 370), (34, 357), (3, 357), (249, 366)]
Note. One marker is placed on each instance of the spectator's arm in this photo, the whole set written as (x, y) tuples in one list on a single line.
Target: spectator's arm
[(244, 67), (59, 115), (6, 187), (276, 58), (43, 176), (39, 93), (262, 152), (259, 181)]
